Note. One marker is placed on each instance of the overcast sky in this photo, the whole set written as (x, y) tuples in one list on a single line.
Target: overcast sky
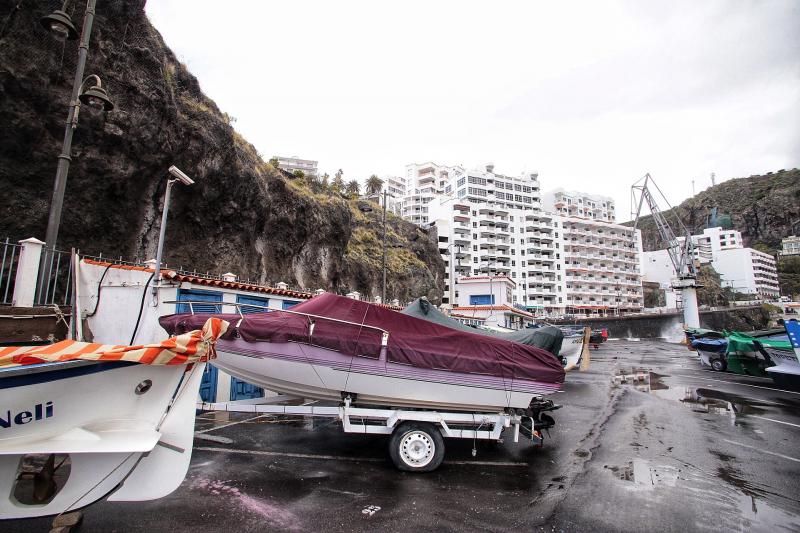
[(592, 94)]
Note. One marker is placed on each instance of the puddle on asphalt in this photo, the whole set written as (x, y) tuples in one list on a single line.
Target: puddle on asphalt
[(644, 475), (757, 511), (698, 399)]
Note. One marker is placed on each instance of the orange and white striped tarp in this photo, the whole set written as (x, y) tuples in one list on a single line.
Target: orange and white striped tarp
[(192, 347)]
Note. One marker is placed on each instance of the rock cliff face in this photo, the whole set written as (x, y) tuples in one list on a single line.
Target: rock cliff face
[(762, 208), (241, 215)]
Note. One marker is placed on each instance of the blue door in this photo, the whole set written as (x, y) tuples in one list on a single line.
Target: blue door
[(208, 385), (242, 390), (286, 304)]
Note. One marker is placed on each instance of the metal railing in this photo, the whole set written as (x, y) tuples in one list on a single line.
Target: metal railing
[(54, 286), (8, 270)]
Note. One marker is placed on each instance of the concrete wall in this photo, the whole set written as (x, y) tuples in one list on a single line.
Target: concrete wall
[(670, 325)]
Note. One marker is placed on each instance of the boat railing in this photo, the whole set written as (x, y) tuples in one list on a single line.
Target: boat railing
[(216, 307)]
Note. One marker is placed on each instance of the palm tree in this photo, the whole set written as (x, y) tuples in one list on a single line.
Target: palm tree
[(374, 185), (353, 189), (338, 184), (325, 180)]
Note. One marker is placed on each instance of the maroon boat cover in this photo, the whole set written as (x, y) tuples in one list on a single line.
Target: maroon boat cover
[(411, 341)]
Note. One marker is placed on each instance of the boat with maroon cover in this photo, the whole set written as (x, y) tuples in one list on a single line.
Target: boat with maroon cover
[(331, 347)]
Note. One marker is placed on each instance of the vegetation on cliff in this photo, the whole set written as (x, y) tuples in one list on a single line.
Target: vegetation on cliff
[(242, 215), (762, 208)]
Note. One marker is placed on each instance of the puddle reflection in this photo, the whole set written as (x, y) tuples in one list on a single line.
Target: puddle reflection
[(699, 399)]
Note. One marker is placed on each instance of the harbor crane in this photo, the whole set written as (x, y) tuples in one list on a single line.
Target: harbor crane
[(681, 251)]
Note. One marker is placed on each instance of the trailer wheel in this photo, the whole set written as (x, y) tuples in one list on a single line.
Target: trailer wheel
[(718, 365), (416, 447)]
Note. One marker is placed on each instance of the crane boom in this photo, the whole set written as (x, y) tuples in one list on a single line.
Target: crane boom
[(681, 253)]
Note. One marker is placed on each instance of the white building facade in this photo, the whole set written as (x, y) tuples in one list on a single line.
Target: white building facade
[(425, 183), (790, 245), (494, 225), (487, 301), (601, 266), (743, 270), (748, 271), (290, 164), (579, 205)]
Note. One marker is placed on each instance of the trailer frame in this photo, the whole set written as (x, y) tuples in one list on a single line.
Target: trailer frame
[(392, 421)]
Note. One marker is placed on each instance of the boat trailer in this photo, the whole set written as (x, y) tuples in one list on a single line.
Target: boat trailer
[(417, 436)]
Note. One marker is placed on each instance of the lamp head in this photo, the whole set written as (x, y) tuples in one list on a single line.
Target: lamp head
[(180, 176), (60, 24), (96, 97)]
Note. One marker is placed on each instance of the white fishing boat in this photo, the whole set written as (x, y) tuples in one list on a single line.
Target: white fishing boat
[(81, 421), (575, 350), (786, 356)]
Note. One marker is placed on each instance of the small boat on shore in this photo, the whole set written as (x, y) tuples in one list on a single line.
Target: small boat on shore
[(743, 355), (569, 345), (711, 352), (786, 356), (332, 347), (80, 421)]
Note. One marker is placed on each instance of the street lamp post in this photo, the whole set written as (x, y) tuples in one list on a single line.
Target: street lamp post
[(60, 24), (186, 180)]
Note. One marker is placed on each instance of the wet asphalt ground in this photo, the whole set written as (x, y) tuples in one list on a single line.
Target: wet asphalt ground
[(671, 447)]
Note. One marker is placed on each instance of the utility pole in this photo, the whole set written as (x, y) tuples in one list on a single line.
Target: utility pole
[(383, 287)]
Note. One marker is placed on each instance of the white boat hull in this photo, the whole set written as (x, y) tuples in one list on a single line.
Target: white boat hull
[(305, 375), (572, 351), (107, 422), (786, 372)]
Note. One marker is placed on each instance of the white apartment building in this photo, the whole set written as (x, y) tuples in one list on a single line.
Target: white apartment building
[(424, 183), (396, 186), (600, 258), (712, 241), (293, 163), (790, 245), (492, 224), (580, 205), (744, 270), (748, 271), (601, 266)]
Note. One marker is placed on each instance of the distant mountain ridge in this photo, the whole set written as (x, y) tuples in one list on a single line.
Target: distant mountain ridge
[(762, 208)]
